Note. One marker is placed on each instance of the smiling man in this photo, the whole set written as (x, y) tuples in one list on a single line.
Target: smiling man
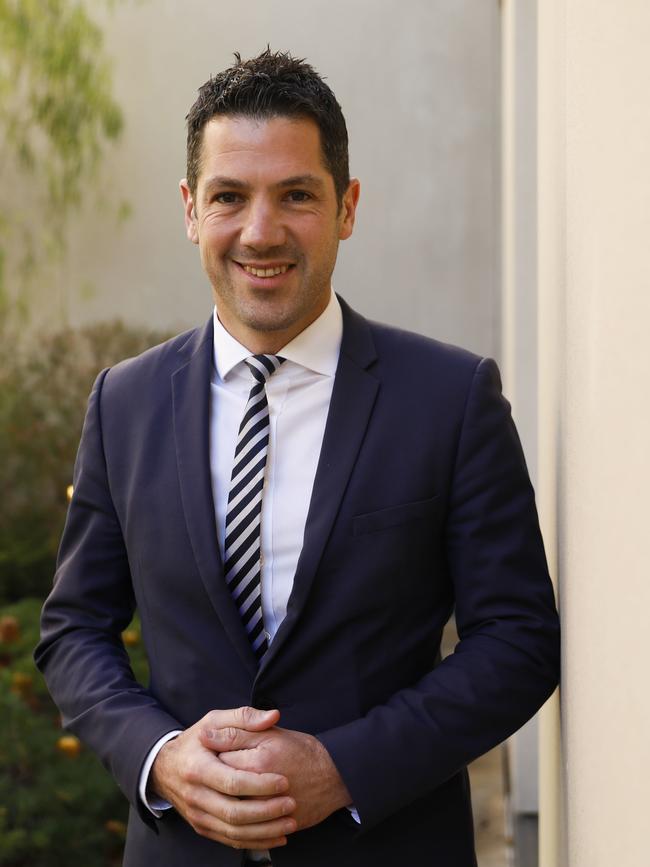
[(266, 215), (296, 499)]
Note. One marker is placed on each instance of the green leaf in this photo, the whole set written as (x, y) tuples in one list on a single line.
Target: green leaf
[(58, 118)]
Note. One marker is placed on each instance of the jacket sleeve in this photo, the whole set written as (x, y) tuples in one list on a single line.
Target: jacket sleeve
[(81, 652), (506, 663)]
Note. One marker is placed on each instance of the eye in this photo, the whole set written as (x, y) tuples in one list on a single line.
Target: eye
[(298, 196), (226, 198)]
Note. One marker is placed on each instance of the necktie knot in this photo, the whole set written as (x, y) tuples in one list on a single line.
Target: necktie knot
[(264, 366)]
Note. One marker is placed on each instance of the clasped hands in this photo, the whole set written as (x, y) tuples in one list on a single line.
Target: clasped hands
[(239, 779)]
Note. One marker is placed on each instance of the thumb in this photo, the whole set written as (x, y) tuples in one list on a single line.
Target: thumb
[(253, 720), (248, 718), (227, 739)]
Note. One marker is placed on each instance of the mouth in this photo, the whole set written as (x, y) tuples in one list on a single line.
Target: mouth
[(268, 271), (265, 271)]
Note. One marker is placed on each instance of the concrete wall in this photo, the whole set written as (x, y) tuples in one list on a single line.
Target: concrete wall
[(419, 88)]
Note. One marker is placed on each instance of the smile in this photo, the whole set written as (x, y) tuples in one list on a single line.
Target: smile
[(266, 272)]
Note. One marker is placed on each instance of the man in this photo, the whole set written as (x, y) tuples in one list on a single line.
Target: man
[(295, 499)]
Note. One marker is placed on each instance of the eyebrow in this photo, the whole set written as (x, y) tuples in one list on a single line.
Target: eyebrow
[(302, 181), (236, 184)]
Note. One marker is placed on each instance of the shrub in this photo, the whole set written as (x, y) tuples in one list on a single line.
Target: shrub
[(44, 387), (58, 804)]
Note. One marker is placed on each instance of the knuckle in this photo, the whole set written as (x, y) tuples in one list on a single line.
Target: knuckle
[(185, 792), (191, 800), (233, 815), (245, 714), (192, 773), (228, 735), (226, 816), (263, 762), (231, 835), (211, 718), (190, 776), (229, 784), (263, 759), (193, 817), (197, 824)]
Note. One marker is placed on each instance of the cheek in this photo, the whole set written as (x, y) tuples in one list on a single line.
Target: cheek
[(216, 235), (212, 247), (319, 246), (204, 255)]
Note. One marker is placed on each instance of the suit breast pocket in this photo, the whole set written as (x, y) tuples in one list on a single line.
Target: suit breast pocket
[(396, 557), (396, 516)]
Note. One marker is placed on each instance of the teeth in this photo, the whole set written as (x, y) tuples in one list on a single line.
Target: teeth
[(266, 272)]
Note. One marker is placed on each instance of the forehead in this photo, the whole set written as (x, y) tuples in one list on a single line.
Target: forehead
[(273, 148)]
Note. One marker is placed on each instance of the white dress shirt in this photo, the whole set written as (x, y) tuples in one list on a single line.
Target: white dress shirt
[(298, 395)]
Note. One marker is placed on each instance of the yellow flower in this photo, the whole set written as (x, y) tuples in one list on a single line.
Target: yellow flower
[(131, 637), (69, 745)]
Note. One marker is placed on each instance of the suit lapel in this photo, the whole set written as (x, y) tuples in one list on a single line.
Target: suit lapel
[(191, 402), (353, 397)]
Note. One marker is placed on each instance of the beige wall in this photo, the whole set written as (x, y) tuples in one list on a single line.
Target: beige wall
[(606, 584), (419, 88), (593, 314)]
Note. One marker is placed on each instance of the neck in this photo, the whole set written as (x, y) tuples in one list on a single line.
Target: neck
[(269, 342)]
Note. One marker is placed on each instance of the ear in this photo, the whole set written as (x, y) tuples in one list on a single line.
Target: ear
[(349, 208), (191, 226)]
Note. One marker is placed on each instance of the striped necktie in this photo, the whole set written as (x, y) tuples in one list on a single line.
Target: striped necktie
[(242, 547)]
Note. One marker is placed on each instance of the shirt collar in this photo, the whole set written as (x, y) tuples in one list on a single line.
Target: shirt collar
[(316, 348)]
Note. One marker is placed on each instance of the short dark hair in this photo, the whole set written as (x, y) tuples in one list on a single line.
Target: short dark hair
[(273, 84)]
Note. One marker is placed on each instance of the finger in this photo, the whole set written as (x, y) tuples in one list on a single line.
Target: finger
[(256, 845), (241, 760), (229, 738), (248, 718), (236, 812), (204, 828), (220, 777), (258, 835)]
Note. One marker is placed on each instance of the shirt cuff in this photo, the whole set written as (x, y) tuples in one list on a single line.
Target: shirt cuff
[(152, 802)]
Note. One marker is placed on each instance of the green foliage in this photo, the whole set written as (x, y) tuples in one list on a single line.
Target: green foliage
[(57, 115), (43, 393), (58, 805)]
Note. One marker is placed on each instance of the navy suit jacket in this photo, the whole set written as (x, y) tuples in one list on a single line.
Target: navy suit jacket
[(421, 506)]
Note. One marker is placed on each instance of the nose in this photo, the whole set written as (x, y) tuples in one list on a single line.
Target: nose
[(263, 227)]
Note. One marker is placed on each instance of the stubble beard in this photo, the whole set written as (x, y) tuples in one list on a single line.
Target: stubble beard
[(262, 310)]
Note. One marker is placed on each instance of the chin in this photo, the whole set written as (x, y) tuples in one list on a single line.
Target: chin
[(262, 317), (268, 323)]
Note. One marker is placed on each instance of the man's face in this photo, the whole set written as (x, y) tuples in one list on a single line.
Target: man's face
[(268, 225)]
